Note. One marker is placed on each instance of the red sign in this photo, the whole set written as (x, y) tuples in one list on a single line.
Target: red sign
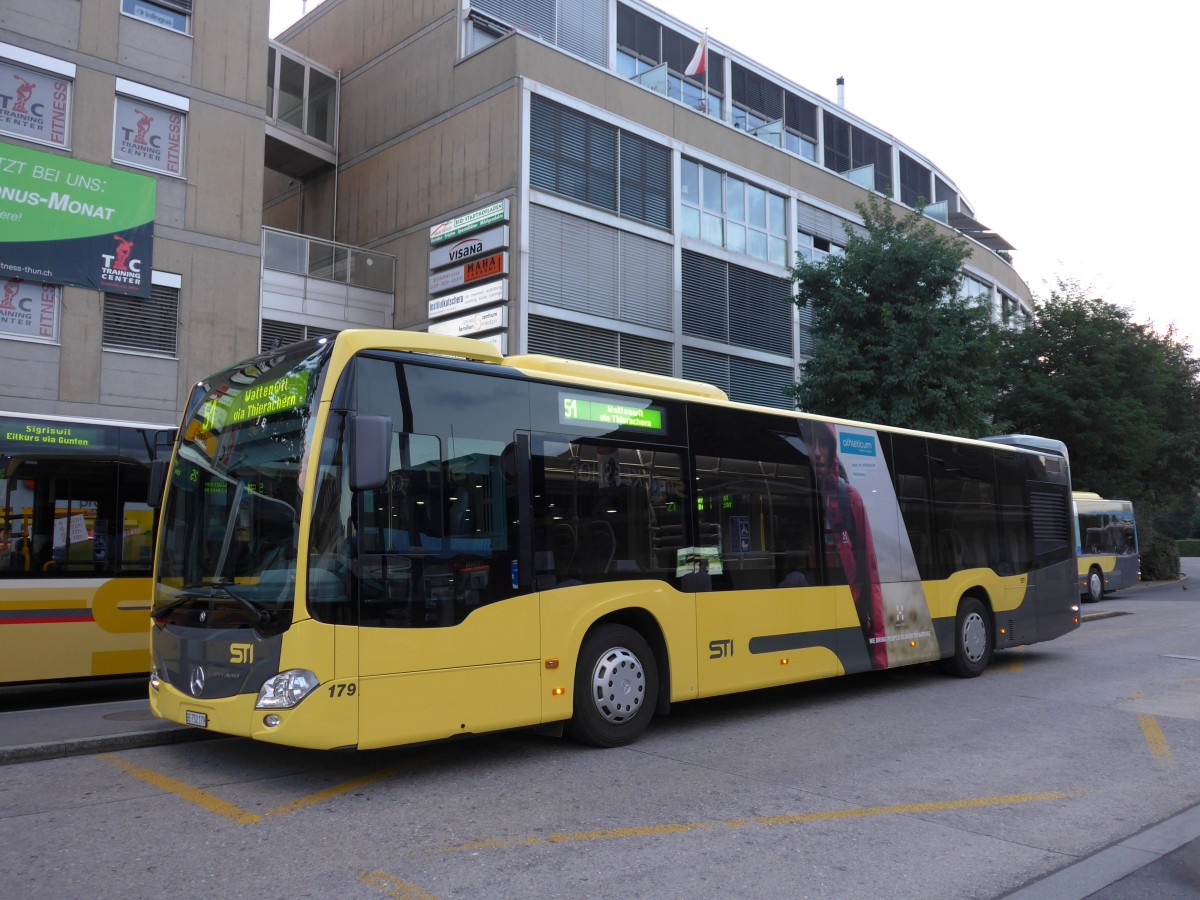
[(487, 267)]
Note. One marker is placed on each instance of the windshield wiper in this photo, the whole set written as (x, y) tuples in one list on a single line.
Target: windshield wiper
[(260, 615)]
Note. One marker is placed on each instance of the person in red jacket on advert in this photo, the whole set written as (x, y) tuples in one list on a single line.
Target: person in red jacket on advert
[(846, 521)]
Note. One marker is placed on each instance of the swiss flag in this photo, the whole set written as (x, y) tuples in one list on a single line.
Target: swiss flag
[(699, 63)]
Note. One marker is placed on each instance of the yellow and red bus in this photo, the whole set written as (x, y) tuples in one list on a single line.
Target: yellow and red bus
[(1107, 544), (76, 546), (385, 537)]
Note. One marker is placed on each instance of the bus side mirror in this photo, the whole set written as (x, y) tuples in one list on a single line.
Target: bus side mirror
[(158, 482), (370, 451)]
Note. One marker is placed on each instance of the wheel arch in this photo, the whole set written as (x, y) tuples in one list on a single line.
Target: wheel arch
[(980, 593), (644, 623)]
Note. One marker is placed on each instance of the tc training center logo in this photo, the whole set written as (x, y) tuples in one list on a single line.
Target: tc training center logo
[(120, 268)]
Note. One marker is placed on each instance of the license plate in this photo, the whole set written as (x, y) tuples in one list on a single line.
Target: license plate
[(199, 719)]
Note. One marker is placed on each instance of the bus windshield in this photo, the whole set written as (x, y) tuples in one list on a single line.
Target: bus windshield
[(227, 557)]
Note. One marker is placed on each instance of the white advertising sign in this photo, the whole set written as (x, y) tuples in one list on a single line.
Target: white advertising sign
[(484, 295), (468, 247), (472, 221), (472, 324)]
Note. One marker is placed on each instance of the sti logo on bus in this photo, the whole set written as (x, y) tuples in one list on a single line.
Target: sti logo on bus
[(719, 649), (241, 654)]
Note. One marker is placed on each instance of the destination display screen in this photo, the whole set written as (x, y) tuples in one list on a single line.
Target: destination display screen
[(29, 434), (575, 408), (236, 405)]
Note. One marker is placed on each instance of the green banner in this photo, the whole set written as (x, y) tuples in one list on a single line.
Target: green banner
[(65, 221)]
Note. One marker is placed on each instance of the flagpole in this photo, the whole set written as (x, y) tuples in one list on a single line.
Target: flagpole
[(706, 112)]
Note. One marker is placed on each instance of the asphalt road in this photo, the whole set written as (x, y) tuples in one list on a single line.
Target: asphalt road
[(892, 785)]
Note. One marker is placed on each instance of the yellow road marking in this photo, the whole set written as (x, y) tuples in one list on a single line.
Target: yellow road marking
[(234, 813), (337, 790), (825, 816), (201, 798), (394, 887), (1155, 739)]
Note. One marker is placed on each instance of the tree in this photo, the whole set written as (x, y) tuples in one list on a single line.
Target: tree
[(895, 341), (1124, 399)]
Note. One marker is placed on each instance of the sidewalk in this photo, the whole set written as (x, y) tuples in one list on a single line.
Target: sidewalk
[(32, 734)]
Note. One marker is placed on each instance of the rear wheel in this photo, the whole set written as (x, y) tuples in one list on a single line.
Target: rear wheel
[(616, 687), (1095, 585), (972, 639)]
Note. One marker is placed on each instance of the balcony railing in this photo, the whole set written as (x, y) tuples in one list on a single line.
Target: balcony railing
[(284, 251)]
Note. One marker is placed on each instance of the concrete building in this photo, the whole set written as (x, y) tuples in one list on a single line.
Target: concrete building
[(544, 174), (549, 176), (98, 99)]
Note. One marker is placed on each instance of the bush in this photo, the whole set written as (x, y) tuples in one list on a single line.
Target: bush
[(1160, 559), (1189, 547)]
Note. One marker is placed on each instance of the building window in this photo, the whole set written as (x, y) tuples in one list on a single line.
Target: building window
[(848, 147), (148, 326), (35, 103), (628, 276), (597, 163), (277, 334), (30, 310), (914, 182), (644, 44), (576, 26), (744, 380), (728, 212), (800, 126), (149, 130), (734, 305), (812, 248), (974, 289), (571, 340), (172, 14)]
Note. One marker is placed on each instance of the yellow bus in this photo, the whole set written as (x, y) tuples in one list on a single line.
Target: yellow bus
[(76, 546), (1107, 544), (385, 537)]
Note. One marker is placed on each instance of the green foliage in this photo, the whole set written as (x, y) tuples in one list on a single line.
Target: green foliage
[(1160, 559), (1188, 547), (1124, 399), (895, 343)]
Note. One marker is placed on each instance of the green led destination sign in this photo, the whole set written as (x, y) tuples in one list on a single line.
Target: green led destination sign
[(277, 395), (19, 433), (612, 412)]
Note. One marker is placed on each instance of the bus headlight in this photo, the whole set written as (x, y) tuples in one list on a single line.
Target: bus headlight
[(286, 689)]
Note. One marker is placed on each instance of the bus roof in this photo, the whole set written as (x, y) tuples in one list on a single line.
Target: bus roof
[(597, 375)]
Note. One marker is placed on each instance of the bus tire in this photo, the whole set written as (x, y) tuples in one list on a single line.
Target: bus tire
[(972, 639), (616, 687), (1095, 585)]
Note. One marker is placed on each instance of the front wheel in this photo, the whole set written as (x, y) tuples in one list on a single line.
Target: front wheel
[(1095, 585), (972, 640), (616, 687)]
